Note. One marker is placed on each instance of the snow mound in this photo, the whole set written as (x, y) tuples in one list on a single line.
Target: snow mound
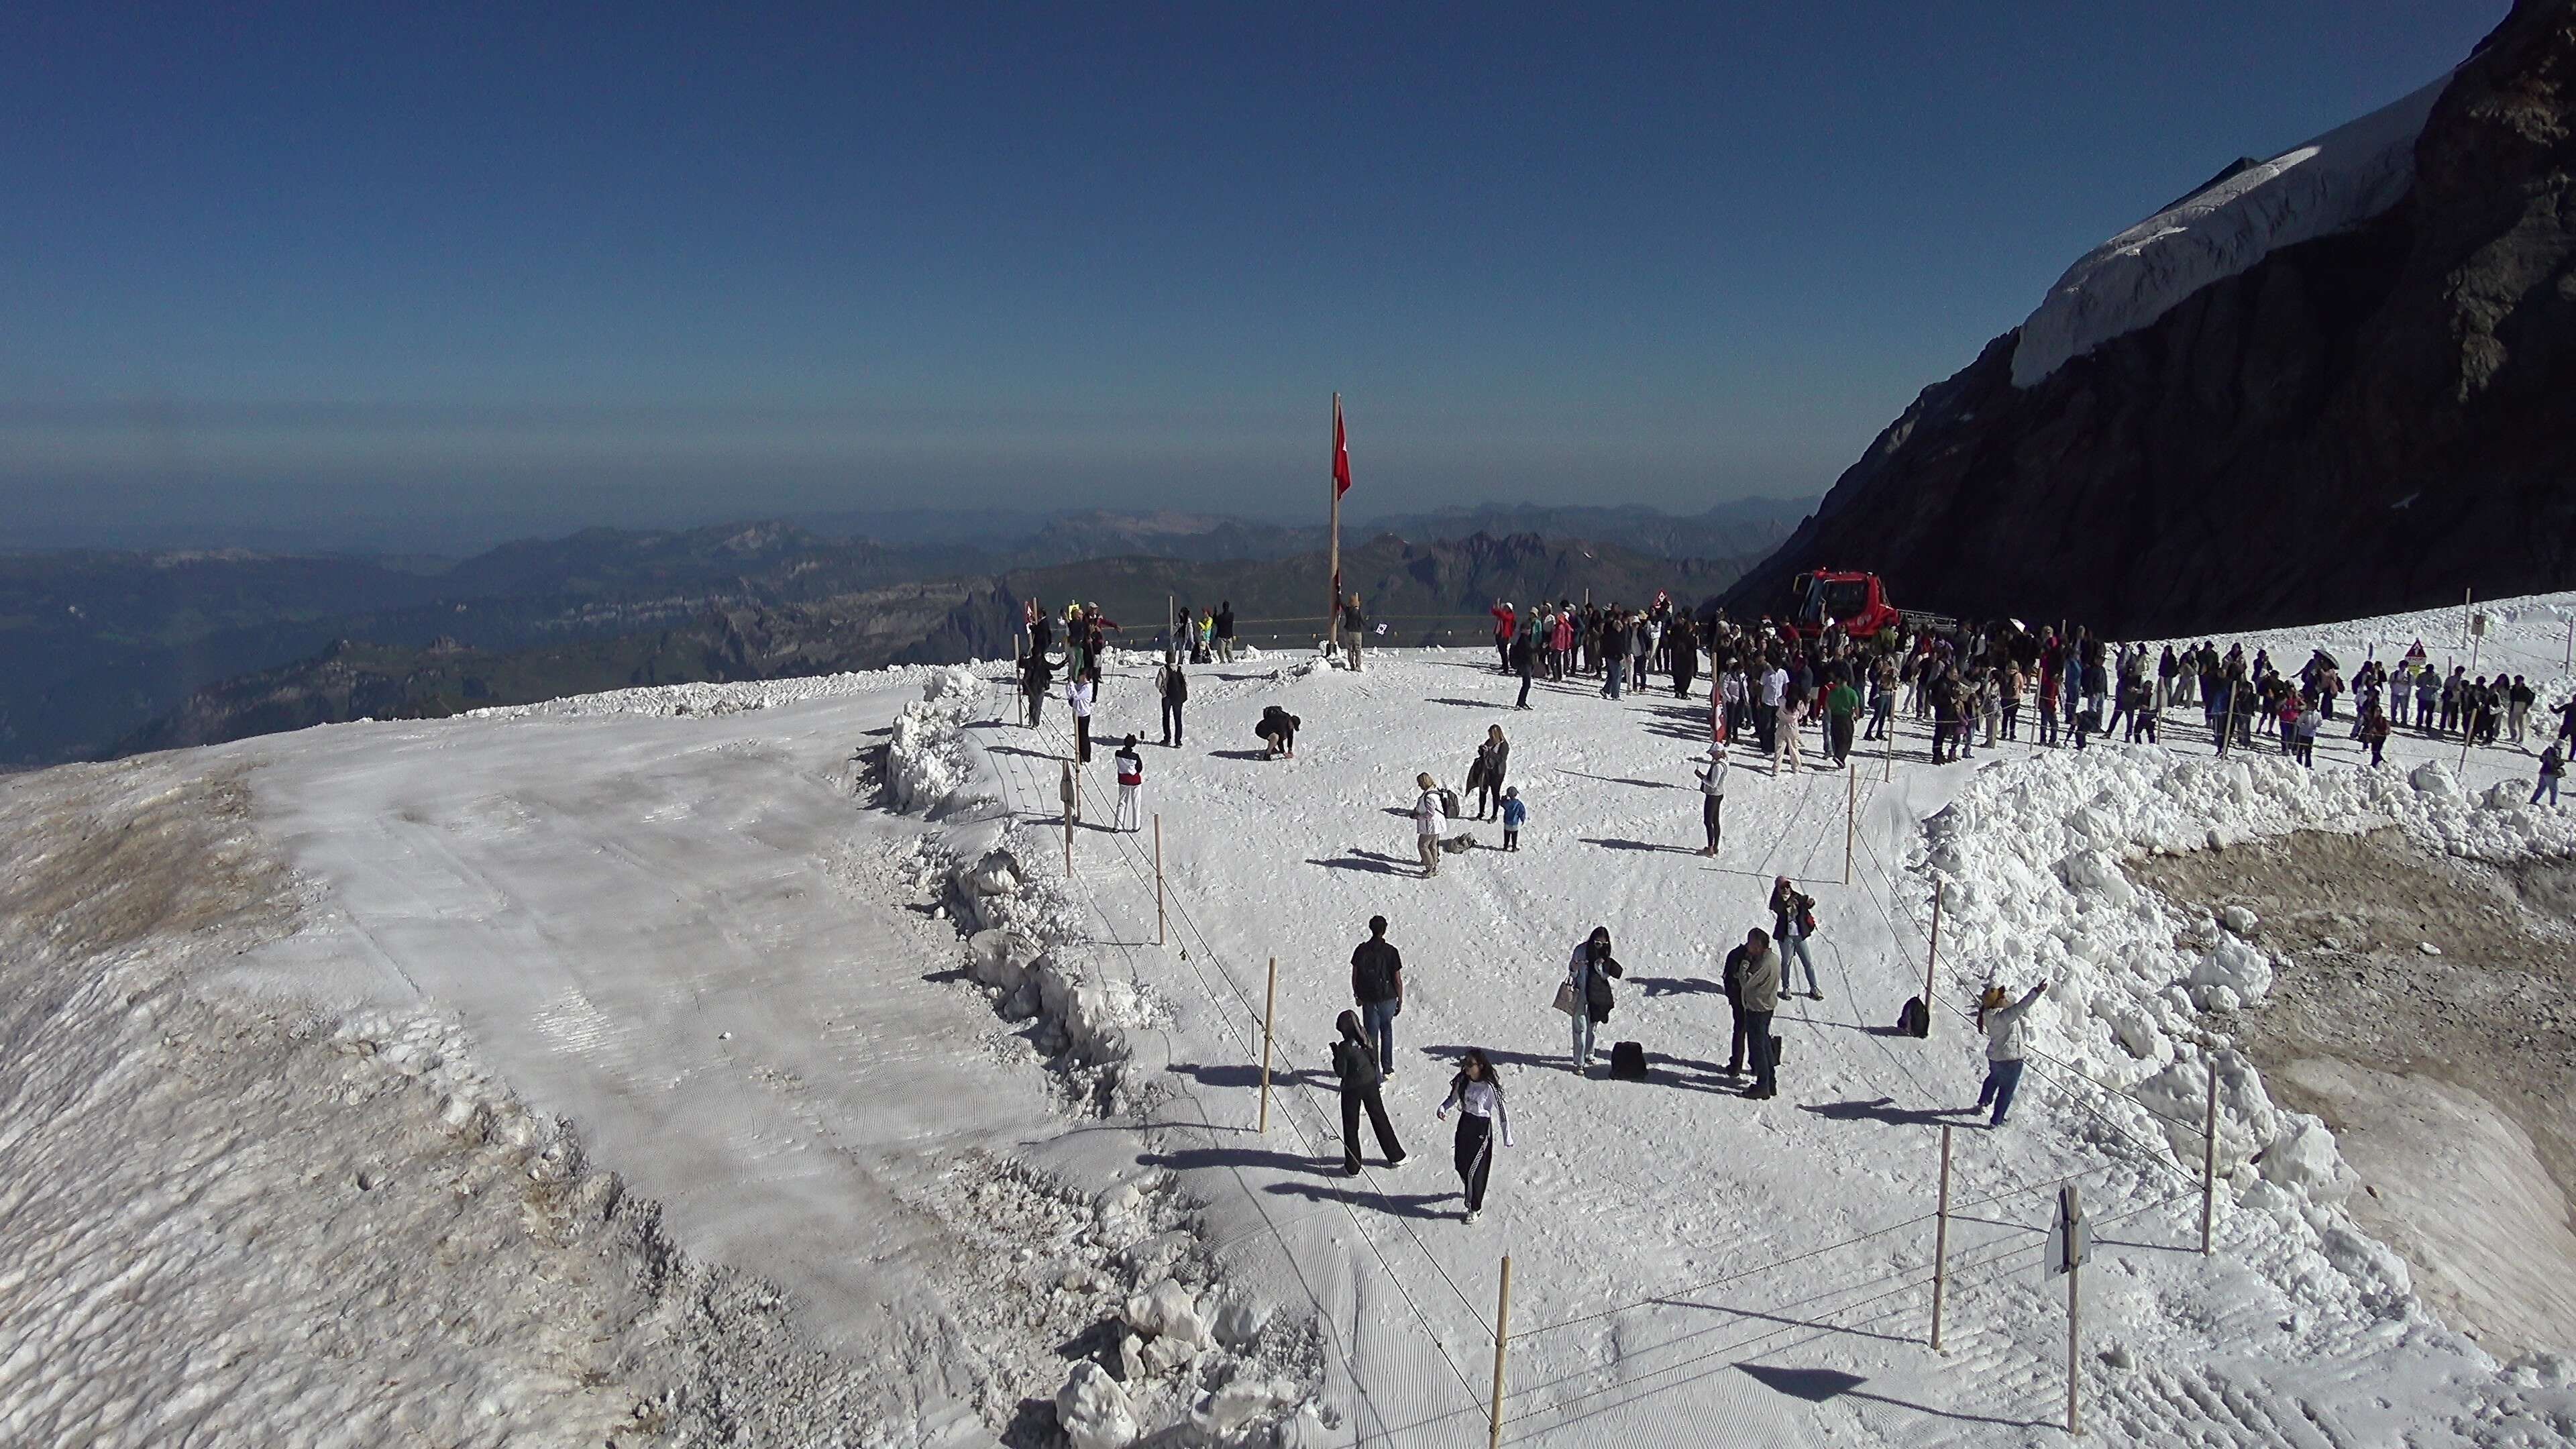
[(928, 765), (2339, 180)]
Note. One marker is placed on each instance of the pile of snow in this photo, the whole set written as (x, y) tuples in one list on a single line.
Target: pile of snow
[(2028, 857), (928, 762), (2339, 180)]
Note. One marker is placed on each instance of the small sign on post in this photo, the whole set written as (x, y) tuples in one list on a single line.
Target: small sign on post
[(2070, 1247)]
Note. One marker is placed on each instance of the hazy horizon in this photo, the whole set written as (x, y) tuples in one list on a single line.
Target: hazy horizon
[(365, 278)]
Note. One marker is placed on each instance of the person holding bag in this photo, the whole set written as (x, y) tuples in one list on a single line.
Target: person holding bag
[(1586, 995)]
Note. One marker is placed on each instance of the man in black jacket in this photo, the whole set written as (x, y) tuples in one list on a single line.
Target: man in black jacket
[(1176, 692), (1225, 631), (1377, 984)]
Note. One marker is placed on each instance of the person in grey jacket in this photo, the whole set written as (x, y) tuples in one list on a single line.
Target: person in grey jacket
[(1356, 1065), (1590, 972), (1758, 987), (2000, 1018)]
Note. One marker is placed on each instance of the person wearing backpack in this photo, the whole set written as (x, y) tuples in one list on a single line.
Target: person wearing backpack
[(1377, 988), (2552, 765), (1174, 686), (1430, 818), (1757, 976), (2000, 1018), (1357, 1066), (1131, 787), (1590, 973), (1477, 1094), (1712, 794), (1793, 920)]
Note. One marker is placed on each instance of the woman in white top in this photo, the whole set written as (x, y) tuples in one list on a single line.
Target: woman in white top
[(1078, 694), (1712, 793), (2000, 1018), (1478, 1096)]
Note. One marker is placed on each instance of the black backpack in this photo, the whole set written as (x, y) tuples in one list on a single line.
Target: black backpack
[(1915, 1019), (1628, 1061), (1448, 802)]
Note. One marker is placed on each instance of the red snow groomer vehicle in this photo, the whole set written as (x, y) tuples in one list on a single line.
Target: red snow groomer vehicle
[(1857, 601)]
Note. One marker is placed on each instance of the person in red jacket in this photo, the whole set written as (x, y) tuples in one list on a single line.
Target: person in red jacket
[(1506, 623)]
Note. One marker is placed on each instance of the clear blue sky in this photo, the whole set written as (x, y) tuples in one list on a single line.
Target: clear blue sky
[(415, 273)]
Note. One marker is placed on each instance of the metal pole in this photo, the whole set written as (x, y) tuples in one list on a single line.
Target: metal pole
[(1941, 1241), (1269, 1004), (2208, 1159), (1502, 1339), (2074, 1319), (1158, 877)]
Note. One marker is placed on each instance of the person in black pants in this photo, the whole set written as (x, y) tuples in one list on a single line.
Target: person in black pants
[(1176, 692), (1355, 1062), (1524, 662), (1478, 1096), (1753, 989)]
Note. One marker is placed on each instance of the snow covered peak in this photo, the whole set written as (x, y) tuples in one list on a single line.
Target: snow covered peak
[(2342, 178)]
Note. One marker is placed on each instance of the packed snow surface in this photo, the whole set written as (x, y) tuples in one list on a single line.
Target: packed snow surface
[(957, 1146), (2342, 178)]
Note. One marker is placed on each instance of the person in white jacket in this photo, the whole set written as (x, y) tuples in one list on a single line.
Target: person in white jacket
[(2001, 1019), (1429, 821), (1712, 793), (1078, 694), (1478, 1096)]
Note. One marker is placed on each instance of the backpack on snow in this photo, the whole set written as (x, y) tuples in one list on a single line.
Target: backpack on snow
[(1628, 1061), (1914, 1019)]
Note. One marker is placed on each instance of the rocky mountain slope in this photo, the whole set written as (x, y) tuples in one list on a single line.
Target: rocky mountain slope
[(2336, 382)]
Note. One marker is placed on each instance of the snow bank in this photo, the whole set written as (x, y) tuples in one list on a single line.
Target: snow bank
[(2028, 856), (928, 763), (2340, 179)]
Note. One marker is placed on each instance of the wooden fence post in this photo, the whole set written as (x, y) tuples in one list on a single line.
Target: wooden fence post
[(2074, 1324), (1941, 1241), (2209, 1159), (1071, 793), (1932, 957), (1851, 818), (1502, 1339), (1269, 1004), (1158, 878)]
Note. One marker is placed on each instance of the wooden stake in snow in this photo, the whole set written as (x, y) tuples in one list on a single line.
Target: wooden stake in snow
[(1941, 1241), (1502, 1339), (1933, 957), (2208, 1159), (1269, 1004), (1158, 877), (2070, 1245), (1071, 793), (1851, 818)]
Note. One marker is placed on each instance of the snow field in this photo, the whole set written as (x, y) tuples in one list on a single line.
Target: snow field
[(2285, 1258)]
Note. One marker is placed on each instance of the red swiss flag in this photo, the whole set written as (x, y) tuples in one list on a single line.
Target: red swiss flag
[(1341, 452)]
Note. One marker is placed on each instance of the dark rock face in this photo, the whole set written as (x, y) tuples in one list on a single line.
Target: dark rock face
[(2369, 422)]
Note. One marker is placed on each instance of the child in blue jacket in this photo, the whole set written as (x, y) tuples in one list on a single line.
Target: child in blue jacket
[(1514, 812)]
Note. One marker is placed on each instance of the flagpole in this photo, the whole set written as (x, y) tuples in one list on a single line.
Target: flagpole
[(1333, 485)]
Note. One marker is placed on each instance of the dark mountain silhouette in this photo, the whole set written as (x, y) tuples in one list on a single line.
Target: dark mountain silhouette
[(2363, 422)]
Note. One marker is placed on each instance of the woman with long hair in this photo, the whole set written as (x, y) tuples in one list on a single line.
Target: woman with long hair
[(1478, 1096)]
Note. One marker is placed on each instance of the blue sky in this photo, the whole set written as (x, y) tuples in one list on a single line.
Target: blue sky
[(437, 274)]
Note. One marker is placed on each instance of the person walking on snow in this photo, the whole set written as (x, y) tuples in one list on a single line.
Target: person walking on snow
[(1793, 919), (1514, 812), (1352, 623), (1377, 987), (1429, 820), (1784, 733), (1131, 787), (1356, 1065), (1712, 794), (2552, 765), (1225, 631), (2001, 1019), (1755, 969), (1478, 1097), (1590, 973)]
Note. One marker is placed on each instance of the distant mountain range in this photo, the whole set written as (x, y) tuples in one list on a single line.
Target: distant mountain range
[(104, 653)]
